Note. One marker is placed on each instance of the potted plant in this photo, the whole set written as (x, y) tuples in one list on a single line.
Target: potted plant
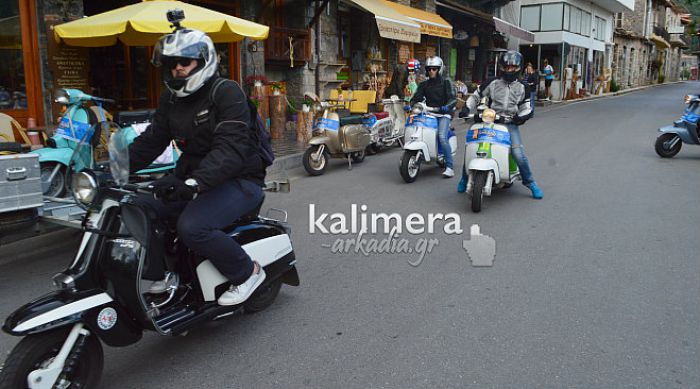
[(254, 82), (276, 88)]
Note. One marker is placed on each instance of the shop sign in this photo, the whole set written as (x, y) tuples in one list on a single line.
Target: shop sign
[(69, 65), (434, 30), (393, 30)]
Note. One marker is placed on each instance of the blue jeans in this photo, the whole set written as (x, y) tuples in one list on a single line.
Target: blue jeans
[(518, 154), (443, 130), (533, 97), (200, 222)]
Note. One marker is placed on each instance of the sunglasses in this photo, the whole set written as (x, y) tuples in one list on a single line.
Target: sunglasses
[(171, 63), (431, 69)]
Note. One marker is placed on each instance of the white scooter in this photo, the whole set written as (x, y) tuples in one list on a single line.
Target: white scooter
[(488, 158), (387, 128), (421, 143)]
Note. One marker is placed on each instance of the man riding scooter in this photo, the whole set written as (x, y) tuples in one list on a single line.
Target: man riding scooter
[(510, 98), (438, 93), (220, 174)]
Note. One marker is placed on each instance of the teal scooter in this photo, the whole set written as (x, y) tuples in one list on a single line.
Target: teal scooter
[(74, 124)]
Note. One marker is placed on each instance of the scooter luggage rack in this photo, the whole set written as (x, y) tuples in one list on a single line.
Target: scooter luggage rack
[(281, 186)]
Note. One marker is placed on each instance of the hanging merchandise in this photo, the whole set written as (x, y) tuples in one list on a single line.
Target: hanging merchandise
[(291, 52)]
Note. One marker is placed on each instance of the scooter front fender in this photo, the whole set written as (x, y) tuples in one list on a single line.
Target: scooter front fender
[(682, 131), (485, 164), (319, 140), (418, 146), (65, 307)]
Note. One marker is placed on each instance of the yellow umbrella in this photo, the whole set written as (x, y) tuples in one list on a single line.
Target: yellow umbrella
[(143, 23)]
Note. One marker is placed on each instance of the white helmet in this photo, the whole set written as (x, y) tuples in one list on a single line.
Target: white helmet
[(434, 62), (185, 43)]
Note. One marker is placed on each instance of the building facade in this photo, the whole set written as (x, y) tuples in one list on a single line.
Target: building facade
[(576, 38), (649, 43)]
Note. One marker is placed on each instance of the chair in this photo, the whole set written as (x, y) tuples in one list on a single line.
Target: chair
[(7, 126), (362, 99)]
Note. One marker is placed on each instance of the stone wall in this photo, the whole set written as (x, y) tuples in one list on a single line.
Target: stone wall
[(252, 63), (633, 21), (631, 58)]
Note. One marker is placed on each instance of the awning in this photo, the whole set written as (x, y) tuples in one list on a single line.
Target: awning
[(659, 41), (430, 24), (391, 23), (142, 24), (469, 11), (510, 29)]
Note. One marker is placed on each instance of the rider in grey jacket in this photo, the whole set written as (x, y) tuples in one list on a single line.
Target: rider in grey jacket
[(510, 98)]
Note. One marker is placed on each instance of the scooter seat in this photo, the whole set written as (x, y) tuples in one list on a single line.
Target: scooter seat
[(352, 119), (381, 115)]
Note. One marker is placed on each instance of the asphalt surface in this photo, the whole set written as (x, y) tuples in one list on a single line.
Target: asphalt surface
[(595, 286)]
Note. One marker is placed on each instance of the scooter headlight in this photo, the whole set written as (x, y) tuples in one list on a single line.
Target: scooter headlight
[(488, 116), (84, 187), (61, 96), (687, 99)]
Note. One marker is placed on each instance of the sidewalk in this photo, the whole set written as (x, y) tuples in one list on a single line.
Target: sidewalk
[(611, 94)]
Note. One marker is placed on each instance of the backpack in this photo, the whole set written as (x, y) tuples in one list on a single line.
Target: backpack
[(263, 136)]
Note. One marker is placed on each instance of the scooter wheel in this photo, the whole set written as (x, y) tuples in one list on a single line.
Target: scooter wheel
[(57, 186), (263, 297), (410, 166), (478, 190), (663, 145), (36, 351), (313, 167)]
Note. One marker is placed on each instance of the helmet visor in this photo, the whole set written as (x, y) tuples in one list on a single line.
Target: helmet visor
[(177, 46)]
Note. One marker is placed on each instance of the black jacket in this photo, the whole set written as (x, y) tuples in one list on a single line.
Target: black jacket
[(437, 91), (532, 80), (214, 148)]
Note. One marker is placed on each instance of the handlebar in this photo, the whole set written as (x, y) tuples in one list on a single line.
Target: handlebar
[(103, 100), (138, 188)]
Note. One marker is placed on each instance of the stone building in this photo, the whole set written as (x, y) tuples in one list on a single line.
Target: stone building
[(648, 44)]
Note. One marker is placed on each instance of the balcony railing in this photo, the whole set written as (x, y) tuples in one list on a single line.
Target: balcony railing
[(278, 49), (662, 32)]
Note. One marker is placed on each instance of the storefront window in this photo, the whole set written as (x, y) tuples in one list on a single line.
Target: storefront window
[(552, 17), (551, 53), (530, 18), (12, 83)]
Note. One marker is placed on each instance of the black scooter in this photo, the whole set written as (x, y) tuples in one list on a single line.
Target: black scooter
[(100, 296)]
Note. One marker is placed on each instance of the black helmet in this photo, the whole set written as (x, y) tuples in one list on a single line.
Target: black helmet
[(510, 58)]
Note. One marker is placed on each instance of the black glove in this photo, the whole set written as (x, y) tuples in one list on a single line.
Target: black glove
[(517, 120), (172, 189)]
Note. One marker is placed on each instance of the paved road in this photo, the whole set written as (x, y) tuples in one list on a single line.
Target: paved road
[(596, 286)]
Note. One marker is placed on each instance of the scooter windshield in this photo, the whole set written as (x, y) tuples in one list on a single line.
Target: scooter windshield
[(91, 150), (119, 157)]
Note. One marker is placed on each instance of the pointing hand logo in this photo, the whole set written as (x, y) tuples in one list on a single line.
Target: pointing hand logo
[(481, 249)]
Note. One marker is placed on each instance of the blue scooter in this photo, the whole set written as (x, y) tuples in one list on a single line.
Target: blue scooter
[(685, 130), (74, 124)]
